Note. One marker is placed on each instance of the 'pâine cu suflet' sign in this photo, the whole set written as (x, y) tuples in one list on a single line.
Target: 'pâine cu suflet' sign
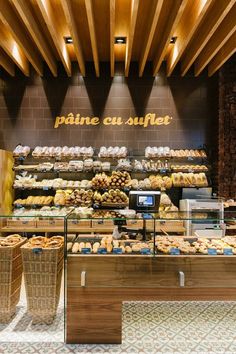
[(150, 119)]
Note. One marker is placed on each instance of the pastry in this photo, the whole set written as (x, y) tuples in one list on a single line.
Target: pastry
[(75, 247)]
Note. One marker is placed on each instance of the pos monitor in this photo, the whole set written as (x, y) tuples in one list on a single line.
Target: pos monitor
[(144, 201)]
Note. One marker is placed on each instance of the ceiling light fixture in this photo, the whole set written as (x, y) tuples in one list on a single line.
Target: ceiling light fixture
[(173, 40), (120, 40), (68, 40)]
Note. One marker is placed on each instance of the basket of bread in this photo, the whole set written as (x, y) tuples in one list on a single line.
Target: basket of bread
[(10, 275), (43, 264)]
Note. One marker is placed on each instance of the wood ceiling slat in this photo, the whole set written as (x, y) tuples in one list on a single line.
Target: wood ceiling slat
[(223, 55), (10, 19), (112, 35), (33, 30), (48, 14), (150, 35), (13, 50), (217, 13), (6, 63), (90, 16), (67, 7), (174, 13), (226, 29), (130, 38), (27, 17), (189, 22)]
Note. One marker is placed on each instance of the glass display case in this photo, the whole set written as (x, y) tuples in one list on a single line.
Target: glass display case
[(123, 256), (124, 232)]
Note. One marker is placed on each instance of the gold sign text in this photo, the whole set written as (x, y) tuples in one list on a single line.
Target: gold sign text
[(150, 119)]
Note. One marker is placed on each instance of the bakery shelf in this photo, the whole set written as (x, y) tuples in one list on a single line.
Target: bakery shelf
[(107, 206), (73, 229), (33, 206)]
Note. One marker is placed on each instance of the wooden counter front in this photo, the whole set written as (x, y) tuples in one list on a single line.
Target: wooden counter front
[(94, 311)]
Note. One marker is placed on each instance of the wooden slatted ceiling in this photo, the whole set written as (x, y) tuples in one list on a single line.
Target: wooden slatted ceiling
[(33, 31)]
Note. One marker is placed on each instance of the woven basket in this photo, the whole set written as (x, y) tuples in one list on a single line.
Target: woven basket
[(10, 280), (42, 274)]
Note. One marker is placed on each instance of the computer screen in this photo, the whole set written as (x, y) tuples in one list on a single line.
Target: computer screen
[(145, 200)]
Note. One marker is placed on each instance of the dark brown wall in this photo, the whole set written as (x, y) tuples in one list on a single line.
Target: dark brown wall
[(227, 130), (28, 107)]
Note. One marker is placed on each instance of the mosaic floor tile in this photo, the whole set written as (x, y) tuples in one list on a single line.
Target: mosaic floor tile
[(148, 327)]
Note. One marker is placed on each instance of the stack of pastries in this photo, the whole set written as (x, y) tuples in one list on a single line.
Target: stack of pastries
[(35, 200), (164, 244), (181, 179)]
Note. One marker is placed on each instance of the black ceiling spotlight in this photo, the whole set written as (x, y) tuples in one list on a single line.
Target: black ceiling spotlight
[(68, 40), (120, 40), (173, 40)]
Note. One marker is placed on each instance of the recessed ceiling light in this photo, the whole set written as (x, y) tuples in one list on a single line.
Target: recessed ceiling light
[(120, 40), (173, 40), (68, 40)]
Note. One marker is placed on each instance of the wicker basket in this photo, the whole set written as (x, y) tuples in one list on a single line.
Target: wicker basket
[(42, 274), (10, 280)]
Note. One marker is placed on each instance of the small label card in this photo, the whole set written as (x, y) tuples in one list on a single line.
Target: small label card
[(117, 250), (212, 251), (145, 251), (37, 250), (102, 250), (174, 251), (86, 250), (228, 251)]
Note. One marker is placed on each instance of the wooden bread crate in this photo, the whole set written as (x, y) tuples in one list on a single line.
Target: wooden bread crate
[(170, 226), (10, 280), (21, 223), (42, 272), (78, 224), (102, 224), (134, 224), (50, 222), (166, 225)]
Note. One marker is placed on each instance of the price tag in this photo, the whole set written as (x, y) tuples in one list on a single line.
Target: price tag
[(37, 250), (45, 188), (212, 251), (228, 251), (145, 251), (102, 250), (147, 216), (163, 170), (174, 251), (117, 250), (190, 158), (86, 250)]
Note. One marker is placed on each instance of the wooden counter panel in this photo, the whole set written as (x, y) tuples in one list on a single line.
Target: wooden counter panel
[(125, 271), (93, 319), (86, 296), (94, 312), (94, 315), (147, 271)]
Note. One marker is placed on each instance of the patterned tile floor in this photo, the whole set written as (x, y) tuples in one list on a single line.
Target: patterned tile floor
[(148, 327)]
